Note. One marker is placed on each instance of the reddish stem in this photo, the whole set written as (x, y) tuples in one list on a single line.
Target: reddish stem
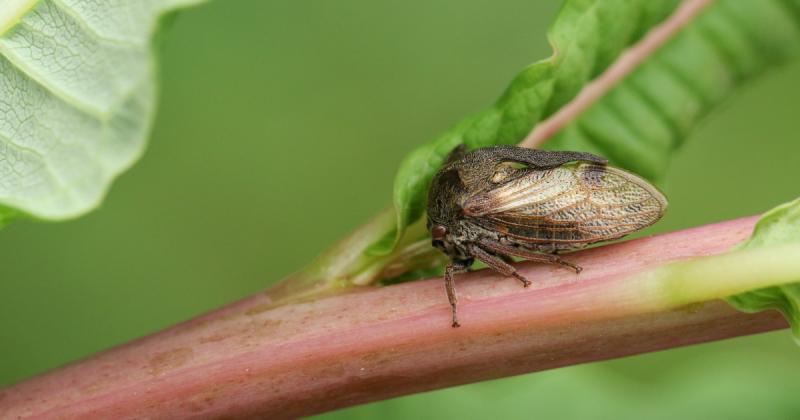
[(252, 358)]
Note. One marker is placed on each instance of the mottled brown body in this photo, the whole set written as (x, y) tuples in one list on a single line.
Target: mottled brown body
[(499, 202)]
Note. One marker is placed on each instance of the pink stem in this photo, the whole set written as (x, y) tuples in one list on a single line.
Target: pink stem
[(252, 358), (624, 65)]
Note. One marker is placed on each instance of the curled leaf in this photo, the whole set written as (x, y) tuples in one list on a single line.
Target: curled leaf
[(779, 226), (77, 99)]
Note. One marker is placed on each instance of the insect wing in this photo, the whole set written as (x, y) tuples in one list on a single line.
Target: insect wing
[(578, 203)]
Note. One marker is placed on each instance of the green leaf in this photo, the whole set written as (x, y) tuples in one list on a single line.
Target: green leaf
[(779, 226), (586, 36), (645, 118), (77, 99)]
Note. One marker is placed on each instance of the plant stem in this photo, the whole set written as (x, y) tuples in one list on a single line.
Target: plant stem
[(253, 358)]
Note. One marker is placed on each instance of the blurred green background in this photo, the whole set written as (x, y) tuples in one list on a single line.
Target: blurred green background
[(281, 124)]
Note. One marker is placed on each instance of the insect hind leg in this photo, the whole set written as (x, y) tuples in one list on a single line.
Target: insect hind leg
[(498, 264), (530, 255)]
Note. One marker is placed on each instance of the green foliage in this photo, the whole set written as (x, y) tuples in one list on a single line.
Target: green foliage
[(780, 225), (176, 263), (583, 47), (645, 118), (77, 99)]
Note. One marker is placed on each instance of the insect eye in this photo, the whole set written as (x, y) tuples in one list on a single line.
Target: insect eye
[(439, 232)]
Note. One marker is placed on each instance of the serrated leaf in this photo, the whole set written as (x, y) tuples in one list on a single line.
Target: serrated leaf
[(779, 226), (77, 98), (644, 119)]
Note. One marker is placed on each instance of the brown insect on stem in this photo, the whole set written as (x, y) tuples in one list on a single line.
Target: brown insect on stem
[(497, 202)]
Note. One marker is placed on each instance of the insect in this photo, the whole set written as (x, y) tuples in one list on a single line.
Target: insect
[(495, 203)]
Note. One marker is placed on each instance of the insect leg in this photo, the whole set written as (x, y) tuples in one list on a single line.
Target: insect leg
[(529, 255), (450, 286), (497, 264)]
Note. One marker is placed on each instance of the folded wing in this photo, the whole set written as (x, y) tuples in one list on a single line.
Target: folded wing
[(578, 203)]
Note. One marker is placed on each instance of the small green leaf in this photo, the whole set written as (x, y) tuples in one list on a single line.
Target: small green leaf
[(645, 118), (77, 98), (779, 226)]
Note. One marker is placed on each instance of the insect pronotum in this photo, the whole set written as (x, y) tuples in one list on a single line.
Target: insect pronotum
[(499, 202)]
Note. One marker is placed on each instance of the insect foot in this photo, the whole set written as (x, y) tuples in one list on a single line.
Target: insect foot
[(575, 267), (520, 277)]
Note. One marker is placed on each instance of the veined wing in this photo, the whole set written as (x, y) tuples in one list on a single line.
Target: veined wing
[(577, 203)]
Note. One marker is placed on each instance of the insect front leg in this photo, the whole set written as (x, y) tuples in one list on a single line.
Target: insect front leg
[(529, 255), (497, 264), (450, 286)]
